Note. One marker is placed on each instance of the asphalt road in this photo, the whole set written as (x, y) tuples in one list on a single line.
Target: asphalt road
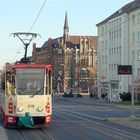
[(80, 119)]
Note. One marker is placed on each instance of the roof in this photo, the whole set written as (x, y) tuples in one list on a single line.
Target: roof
[(55, 43), (125, 9), (38, 49), (66, 22), (76, 40), (73, 41)]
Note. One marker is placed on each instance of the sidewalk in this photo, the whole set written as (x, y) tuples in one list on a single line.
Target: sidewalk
[(86, 99), (127, 122), (123, 121)]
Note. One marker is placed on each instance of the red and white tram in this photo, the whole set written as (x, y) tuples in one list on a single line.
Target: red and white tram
[(26, 99)]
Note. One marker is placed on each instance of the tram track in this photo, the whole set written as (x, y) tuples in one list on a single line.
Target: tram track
[(101, 125), (36, 134), (68, 120), (27, 133), (24, 138), (44, 132)]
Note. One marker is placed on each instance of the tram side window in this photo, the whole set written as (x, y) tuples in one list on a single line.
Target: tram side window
[(13, 84), (10, 83), (3, 82), (3, 85), (8, 86), (47, 84), (13, 79), (50, 82)]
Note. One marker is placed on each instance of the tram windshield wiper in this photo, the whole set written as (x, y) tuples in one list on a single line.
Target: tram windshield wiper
[(37, 91)]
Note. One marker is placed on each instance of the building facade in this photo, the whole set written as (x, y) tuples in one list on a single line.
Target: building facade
[(118, 44), (73, 59)]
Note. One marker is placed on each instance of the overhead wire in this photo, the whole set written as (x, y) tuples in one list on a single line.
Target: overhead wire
[(32, 25), (37, 16)]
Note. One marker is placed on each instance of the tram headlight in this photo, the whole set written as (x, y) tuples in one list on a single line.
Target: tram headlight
[(40, 109), (20, 109)]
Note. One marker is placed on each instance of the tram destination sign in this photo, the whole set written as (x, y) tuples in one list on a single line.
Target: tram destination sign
[(124, 69)]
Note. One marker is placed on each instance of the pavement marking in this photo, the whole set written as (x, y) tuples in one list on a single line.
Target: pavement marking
[(122, 119), (114, 130)]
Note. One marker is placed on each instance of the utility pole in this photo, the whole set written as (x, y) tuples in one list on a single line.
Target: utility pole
[(25, 38), (78, 78), (132, 91), (72, 69)]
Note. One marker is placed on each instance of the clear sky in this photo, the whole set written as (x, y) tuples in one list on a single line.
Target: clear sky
[(19, 15)]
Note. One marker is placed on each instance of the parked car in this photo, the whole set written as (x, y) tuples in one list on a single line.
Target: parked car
[(125, 96), (68, 94)]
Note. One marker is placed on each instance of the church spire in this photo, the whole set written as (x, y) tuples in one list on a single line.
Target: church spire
[(66, 29)]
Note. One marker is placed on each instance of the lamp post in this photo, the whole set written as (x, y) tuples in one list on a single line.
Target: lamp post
[(66, 76), (78, 74), (132, 89), (72, 69), (71, 75)]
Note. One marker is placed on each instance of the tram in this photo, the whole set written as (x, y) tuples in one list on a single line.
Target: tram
[(26, 99)]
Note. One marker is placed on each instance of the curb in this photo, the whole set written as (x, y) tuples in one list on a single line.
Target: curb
[(122, 119)]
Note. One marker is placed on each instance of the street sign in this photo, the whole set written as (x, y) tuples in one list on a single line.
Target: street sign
[(124, 69), (59, 79)]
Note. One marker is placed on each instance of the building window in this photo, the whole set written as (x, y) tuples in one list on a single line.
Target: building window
[(114, 50), (102, 29), (138, 72), (114, 34), (117, 33), (138, 17), (138, 54), (133, 19), (102, 44), (138, 36), (106, 44), (120, 32), (110, 35), (67, 61), (86, 61), (133, 37), (112, 67), (83, 47), (87, 44), (102, 61), (105, 59), (119, 50)]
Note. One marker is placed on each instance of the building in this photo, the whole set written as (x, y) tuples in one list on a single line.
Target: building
[(73, 59), (118, 44)]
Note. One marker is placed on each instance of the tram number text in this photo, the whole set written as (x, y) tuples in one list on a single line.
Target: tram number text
[(30, 106)]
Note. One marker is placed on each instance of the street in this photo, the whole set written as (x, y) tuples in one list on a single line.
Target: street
[(81, 119)]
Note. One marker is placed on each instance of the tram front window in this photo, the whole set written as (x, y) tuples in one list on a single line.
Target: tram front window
[(30, 81)]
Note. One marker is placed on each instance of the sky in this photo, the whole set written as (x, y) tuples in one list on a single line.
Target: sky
[(19, 16)]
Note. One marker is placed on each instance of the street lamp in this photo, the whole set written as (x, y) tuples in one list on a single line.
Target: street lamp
[(66, 76), (132, 90), (72, 67), (78, 66)]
